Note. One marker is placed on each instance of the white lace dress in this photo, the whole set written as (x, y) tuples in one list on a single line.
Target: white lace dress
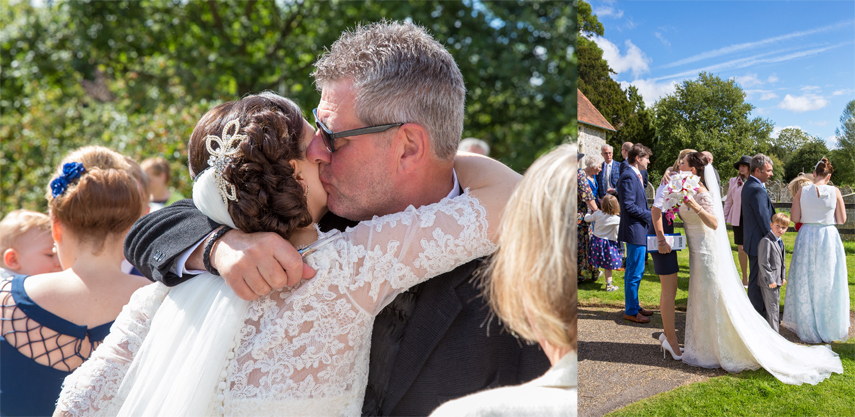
[(304, 350), (723, 329)]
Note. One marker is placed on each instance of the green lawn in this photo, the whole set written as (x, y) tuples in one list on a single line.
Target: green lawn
[(756, 393), (595, 294), (749, 393)]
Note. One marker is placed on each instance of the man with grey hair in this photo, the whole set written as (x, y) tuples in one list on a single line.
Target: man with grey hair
[(474, 145), (757, 212), (389, 122), (608, 177)]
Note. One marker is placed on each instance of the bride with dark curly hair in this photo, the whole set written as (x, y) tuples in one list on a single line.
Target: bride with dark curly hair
[(198, 349)]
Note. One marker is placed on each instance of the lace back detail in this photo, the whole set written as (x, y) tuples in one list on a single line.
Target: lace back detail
[(38, 342)]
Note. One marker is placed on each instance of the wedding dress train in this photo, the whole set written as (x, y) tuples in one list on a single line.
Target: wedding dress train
[(722, 328)]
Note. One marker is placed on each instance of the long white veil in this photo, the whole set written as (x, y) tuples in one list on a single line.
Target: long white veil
[(179, 367), (789, 362)]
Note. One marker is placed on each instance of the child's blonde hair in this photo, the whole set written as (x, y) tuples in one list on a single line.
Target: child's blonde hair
[(781, 218), (17, 223), (611, 205)]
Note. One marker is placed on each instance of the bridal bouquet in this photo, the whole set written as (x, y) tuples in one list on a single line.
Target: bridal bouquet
[(680, 187)]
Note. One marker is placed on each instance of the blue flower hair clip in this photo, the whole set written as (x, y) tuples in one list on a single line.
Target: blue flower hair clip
[(70, 172)]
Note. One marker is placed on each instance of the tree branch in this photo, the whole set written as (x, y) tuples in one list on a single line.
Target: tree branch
[(217, 22)]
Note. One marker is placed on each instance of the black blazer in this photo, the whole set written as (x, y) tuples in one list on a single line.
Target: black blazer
[(432, 344)]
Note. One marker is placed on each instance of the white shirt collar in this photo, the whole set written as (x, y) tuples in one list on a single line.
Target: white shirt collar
[(637, 172), (455, 191)]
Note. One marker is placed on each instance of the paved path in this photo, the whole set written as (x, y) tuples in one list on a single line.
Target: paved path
[(613, 352)]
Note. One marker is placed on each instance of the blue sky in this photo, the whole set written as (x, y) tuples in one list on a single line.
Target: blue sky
[(794, 59)]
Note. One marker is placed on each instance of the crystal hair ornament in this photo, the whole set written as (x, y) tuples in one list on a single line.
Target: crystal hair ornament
[(70, 172), (222, 156)]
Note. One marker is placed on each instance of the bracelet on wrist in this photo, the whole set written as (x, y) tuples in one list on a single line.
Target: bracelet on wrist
[(206, 254)]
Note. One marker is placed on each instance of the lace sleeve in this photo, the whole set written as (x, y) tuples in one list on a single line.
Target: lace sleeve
[(90, 389), (705, 200), (389, 254)]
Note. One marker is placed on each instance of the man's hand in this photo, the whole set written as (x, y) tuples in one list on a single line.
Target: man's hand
[(254, 264), (785, 282), (773, 286)]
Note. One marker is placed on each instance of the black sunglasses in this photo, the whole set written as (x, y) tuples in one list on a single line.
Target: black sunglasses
[(329, 136)]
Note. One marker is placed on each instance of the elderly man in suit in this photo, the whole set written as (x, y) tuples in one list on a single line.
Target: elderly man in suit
[(757, 214), (608, 177), (431, 344), (635, 219)]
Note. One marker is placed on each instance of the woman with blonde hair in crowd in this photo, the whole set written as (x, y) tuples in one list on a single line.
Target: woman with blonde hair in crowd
[(52, 322), (816, 307), (531, 286)]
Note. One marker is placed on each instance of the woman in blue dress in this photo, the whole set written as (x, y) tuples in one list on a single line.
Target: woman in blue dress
[(52, 322), (816, 307)]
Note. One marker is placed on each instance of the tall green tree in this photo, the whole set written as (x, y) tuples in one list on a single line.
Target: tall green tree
[(789, 140), (708, 114), (846, 132), (137, 75), (804, 159)]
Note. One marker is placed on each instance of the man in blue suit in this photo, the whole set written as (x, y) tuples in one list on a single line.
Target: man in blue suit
[(634, 222), (757, 214), (608, 177)]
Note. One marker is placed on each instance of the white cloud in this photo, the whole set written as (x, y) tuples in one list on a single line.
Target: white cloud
[(748, 80), (608, 11), (764, 94), (777, 131), (841, 92), (651, 90), (633, 60), (801, 104), (820, 123), (750, 45), (762, 110), (772, 78), (768, 95), (810, 88), (662, 39)]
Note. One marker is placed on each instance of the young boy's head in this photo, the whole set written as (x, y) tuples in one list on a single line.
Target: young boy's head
[(26, 245), (780, 223)]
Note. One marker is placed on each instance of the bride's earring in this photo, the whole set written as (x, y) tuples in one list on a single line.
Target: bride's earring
[(307, 192)]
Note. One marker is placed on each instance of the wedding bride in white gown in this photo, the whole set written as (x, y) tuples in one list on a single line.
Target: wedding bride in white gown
[(722, 328), (198, 350)]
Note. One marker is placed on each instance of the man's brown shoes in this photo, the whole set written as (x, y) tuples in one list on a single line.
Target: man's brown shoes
[(638, 318), (645, 312)]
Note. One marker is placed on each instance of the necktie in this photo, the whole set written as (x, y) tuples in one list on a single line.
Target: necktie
[(639, 179), (607, 184), (781, 244)]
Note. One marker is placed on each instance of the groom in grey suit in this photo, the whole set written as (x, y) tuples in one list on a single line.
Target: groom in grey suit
[(757, 214)]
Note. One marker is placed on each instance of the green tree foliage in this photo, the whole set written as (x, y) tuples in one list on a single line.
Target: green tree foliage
[(846, 132), (707, 114), (788, 141), (137, 75), (804, 159), (844, 167)]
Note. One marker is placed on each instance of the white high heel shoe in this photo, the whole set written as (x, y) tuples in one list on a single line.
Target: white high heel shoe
[(666, 346)]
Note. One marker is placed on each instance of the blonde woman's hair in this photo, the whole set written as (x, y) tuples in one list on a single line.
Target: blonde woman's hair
[(798, 182), (531, 279), (16, 224), (611, 205), (683, 153)]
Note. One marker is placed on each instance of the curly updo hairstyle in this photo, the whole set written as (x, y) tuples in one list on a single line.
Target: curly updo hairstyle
[(698, 161), (103, 201), (823, 168), (269, 197)]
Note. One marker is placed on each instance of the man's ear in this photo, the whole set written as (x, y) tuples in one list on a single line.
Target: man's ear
[(414, 146), (10, 258)]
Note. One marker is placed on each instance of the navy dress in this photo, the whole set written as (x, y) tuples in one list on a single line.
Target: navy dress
[(28, 388)]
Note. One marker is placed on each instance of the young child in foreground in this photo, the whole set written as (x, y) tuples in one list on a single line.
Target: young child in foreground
[(26, 245), (773, 269), (605, 251)]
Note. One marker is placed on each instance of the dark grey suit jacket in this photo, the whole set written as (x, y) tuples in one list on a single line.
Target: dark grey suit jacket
[(772, 260), (432, 344)]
